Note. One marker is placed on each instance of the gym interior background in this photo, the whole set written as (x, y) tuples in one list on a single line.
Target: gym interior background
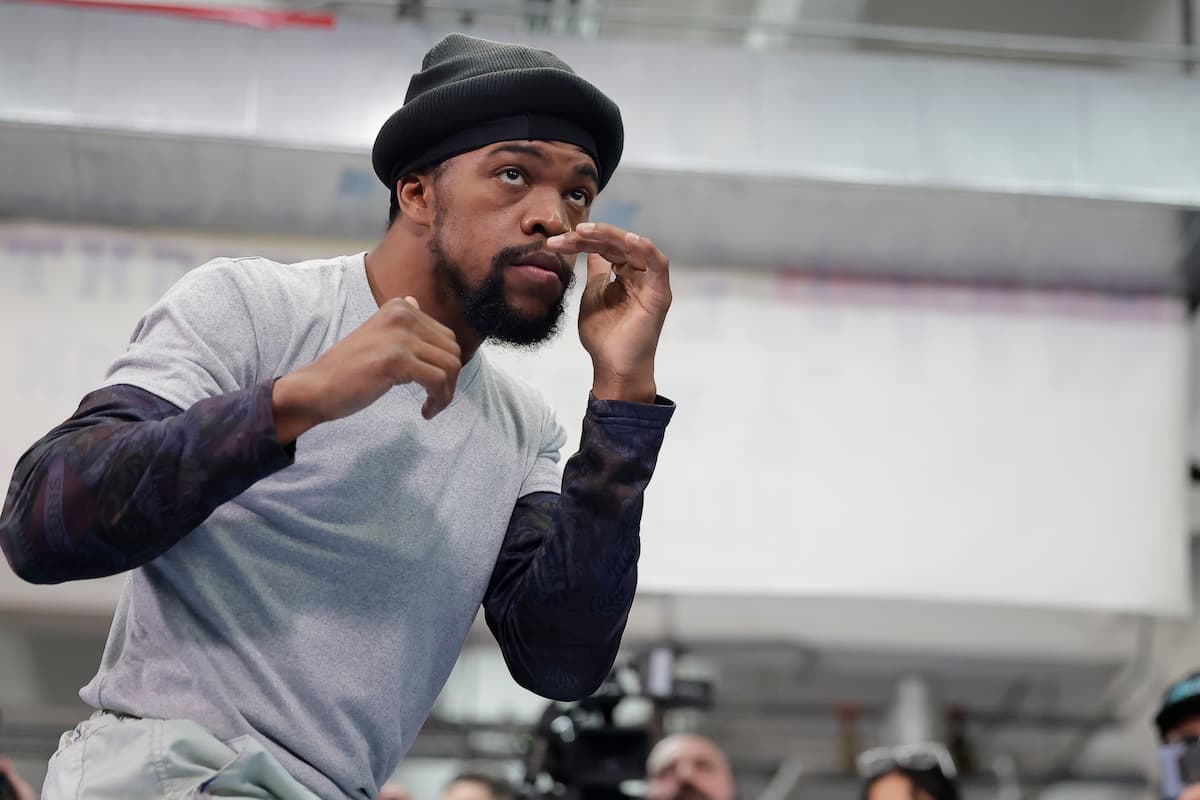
[(932, 346)]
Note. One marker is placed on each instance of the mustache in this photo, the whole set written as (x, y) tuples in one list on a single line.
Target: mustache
[(687, 791)]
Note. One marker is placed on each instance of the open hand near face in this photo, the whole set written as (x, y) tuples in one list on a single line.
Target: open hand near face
[(624, 305)]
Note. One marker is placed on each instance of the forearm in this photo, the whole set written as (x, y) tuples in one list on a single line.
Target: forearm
[(128, 475), (567, 573)]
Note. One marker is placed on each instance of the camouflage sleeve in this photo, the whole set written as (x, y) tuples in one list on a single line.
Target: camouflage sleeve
[(128, 475), (567, 572)]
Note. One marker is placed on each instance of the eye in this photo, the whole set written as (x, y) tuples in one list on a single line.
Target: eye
[(512, 176), (579, 197)]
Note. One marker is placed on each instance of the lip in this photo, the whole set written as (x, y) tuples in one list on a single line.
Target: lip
[(541, 260)]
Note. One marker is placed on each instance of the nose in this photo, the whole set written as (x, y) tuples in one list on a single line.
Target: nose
[(545, 215)]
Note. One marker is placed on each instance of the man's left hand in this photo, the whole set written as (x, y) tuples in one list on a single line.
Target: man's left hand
[(623, 307)]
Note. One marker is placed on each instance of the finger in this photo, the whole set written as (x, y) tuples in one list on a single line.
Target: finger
[(570, 244), (441, 329), (656, 266), (427, 327), (645, 253), (593, 237), (426, 365), (451, 365), (600, 230), (433, 380), (439, 335), (619, 247), (437, 370), (440, 357), (628, 272)]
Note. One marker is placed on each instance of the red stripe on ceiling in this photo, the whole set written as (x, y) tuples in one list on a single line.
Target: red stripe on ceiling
[(252, 17)]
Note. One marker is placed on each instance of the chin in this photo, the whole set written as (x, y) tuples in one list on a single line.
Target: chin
[(530, 307)]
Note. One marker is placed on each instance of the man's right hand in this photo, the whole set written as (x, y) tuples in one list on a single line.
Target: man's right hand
[(398, 344), (1191, 793)]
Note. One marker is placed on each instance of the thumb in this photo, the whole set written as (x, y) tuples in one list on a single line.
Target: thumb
[(412, 301)]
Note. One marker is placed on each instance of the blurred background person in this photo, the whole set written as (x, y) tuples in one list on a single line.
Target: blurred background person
[(394, 791), (917, 772), (906, 784), (688, 767), (477, 786), (1178, 724), (12, 786)]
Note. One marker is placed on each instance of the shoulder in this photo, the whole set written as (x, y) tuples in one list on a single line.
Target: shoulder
[(270, 296), (255, 276)]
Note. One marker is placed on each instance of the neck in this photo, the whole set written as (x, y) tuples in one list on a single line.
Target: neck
[(400, 266)]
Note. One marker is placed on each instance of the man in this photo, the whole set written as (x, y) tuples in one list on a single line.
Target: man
[(1178, 724), (922, 771), (317, 477), (475, 786), (688, 767), (901, 783)]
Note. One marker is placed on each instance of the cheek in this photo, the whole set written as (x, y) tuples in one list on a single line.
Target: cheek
[(466, 253), (474, 242)]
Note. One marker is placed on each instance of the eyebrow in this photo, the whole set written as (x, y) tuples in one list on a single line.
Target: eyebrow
[(585, 170)]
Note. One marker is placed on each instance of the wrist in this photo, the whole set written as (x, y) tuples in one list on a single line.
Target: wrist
[(632, 389), (292, 407)]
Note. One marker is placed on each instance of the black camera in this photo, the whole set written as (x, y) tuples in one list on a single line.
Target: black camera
[(578, 752)]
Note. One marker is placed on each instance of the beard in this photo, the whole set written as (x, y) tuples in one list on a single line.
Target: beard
[(485, 307)]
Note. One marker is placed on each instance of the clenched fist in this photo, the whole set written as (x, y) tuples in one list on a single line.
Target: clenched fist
[(398, 344)]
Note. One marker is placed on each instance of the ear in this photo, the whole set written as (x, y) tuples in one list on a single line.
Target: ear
[(415, 193)]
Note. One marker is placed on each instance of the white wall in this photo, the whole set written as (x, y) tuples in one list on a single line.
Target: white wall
[(832, 439), (69, 298), (926, 443)]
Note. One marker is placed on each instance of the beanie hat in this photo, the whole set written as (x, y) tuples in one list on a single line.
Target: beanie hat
[(472, 92)]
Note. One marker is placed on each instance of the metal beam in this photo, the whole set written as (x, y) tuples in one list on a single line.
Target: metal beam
[(768, 14), (897, 37), (784, 781), (991, 719)]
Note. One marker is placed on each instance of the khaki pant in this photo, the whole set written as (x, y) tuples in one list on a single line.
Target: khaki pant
[(123, 758)]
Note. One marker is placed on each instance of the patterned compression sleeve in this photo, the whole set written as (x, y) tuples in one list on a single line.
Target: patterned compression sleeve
[(567, 572), (128, 475)]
